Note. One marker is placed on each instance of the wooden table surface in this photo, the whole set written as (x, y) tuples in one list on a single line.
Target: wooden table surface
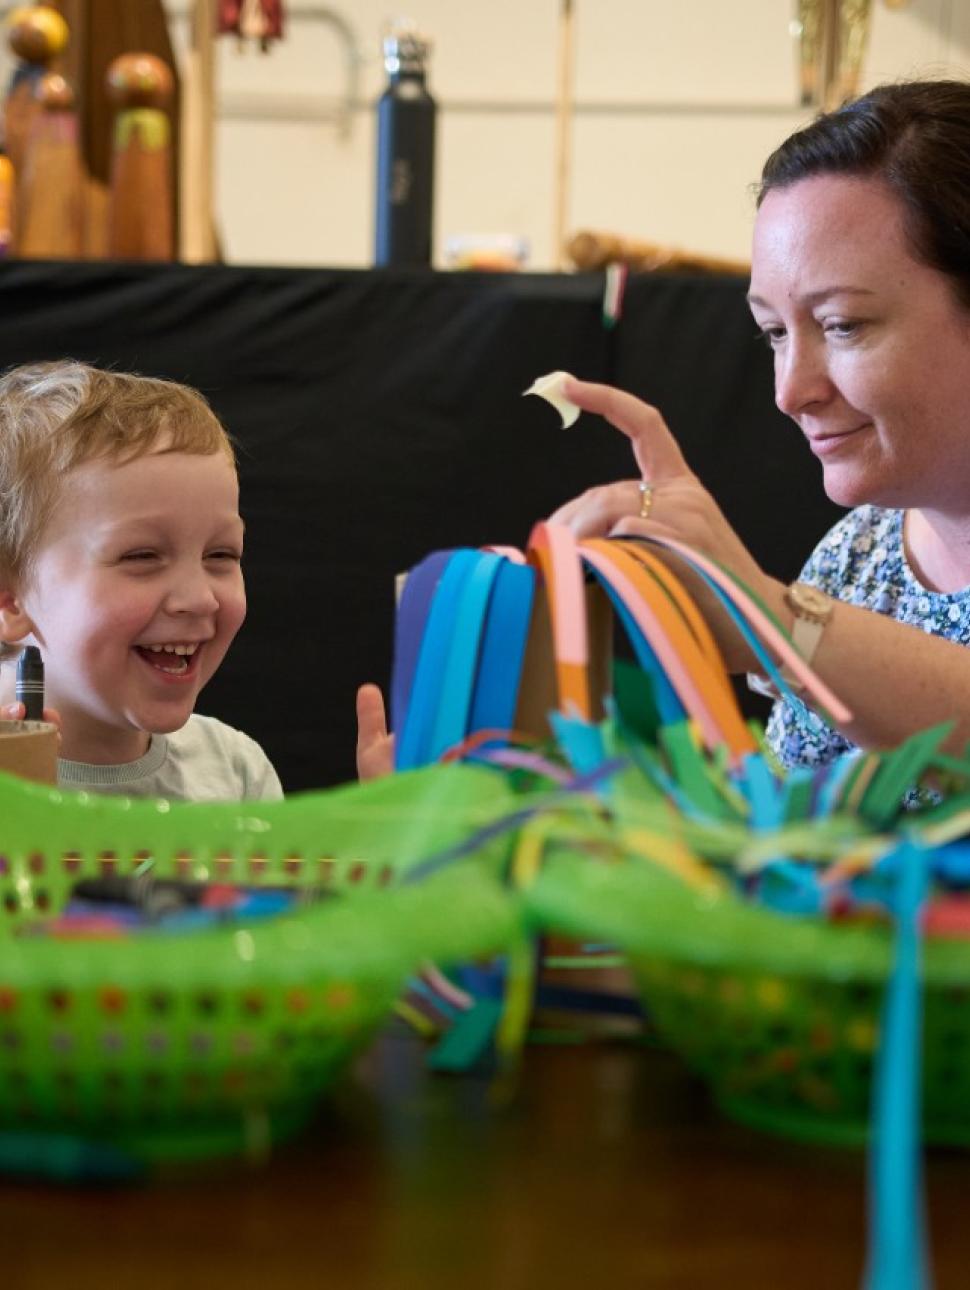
[(609, 1168)]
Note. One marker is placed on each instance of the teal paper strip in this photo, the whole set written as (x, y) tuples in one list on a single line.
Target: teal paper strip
[(897, 1246)]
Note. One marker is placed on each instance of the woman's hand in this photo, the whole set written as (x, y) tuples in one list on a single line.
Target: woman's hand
[(375, 747), (680, 507)]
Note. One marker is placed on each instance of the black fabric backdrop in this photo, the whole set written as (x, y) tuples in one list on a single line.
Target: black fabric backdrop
[(378, 417)]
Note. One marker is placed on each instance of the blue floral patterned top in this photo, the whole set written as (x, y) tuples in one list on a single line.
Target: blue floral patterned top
[(862, 561)]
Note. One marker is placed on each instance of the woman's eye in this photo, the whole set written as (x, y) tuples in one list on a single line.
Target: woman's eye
[(135, 556), (842, 328), (226, 555), (771, 336)]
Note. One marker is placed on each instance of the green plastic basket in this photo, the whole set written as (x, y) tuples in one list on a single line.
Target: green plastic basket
[(780, 1015), (171, 1046)]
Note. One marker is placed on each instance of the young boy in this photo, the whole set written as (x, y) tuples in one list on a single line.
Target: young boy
[(120, 550)]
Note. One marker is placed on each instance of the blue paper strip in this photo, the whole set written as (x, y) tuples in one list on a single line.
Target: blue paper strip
[(450, 722), (503, 649), (897, 1249), (414, 737)]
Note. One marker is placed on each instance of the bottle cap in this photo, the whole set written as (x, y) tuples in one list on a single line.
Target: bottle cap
[(405, 49)]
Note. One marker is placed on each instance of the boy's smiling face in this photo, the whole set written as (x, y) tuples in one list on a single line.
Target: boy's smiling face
[(134, 597)]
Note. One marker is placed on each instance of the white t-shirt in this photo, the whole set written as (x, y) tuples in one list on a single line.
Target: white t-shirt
[(205, 761)]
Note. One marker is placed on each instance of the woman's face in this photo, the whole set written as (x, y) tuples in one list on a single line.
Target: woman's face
[(871, 347)]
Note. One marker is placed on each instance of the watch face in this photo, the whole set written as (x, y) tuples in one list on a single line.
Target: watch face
[(809, 600)]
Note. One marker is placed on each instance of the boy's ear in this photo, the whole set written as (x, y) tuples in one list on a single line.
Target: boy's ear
[(14, 622)]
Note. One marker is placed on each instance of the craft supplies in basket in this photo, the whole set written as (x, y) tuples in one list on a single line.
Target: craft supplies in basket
[(692, 768), (781, 1015), (156, 1047), (668, 824), (833, 1032)]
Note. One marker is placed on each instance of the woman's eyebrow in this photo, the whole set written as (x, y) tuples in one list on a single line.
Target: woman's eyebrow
[(816, 297)]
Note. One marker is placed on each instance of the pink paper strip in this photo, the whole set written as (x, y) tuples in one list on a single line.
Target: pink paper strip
[(510, 552), (764, 627), (677, 671), (567, 600)]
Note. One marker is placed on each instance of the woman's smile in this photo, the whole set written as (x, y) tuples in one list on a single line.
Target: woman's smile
[(828, 443)]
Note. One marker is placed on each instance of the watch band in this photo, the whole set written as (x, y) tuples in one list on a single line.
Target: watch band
[(805, 635), (812, 610)]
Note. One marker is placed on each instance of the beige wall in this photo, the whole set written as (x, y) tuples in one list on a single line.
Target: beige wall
[(676, 105)]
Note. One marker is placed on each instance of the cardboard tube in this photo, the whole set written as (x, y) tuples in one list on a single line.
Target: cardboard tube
[(29, 749)]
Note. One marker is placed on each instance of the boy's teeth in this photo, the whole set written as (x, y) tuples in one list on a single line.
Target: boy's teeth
[(172, 649)]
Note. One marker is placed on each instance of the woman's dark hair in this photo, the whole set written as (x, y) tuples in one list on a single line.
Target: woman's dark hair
[(916, 137)]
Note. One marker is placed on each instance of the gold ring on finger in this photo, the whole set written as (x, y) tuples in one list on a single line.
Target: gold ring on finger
[(646, 499)]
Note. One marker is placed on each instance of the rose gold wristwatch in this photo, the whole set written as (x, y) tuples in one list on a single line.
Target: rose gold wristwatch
[(812, 609)]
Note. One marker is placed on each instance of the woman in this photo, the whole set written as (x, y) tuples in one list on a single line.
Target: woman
[(860, 284)]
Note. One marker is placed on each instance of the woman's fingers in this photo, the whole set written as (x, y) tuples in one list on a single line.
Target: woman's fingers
[(596, 511), (655, 448), (676, 505), (659, 459)]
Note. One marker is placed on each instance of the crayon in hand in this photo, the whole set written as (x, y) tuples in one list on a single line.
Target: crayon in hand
[(30, 683)]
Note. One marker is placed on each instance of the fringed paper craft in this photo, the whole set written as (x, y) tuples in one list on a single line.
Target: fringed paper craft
[(790, 933)]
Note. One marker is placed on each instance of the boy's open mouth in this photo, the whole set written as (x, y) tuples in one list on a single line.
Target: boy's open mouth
[(175, 660)]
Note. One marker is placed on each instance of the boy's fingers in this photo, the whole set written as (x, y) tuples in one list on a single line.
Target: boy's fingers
[(371, 717), (654, 447), (375, 747), (17, 712)]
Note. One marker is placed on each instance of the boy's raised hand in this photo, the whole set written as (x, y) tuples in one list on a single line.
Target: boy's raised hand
[(375, 747)]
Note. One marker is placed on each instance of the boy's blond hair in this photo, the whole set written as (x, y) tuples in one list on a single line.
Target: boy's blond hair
[(57, 416)]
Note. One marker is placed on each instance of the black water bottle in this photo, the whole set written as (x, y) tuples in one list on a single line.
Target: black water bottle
[(405, 153)]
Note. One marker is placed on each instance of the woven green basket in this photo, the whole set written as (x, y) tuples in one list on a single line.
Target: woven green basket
[(178, 1046), (780, 1015)]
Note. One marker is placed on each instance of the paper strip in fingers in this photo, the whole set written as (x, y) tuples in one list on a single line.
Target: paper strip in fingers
[(657, 452), (549, 387)]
